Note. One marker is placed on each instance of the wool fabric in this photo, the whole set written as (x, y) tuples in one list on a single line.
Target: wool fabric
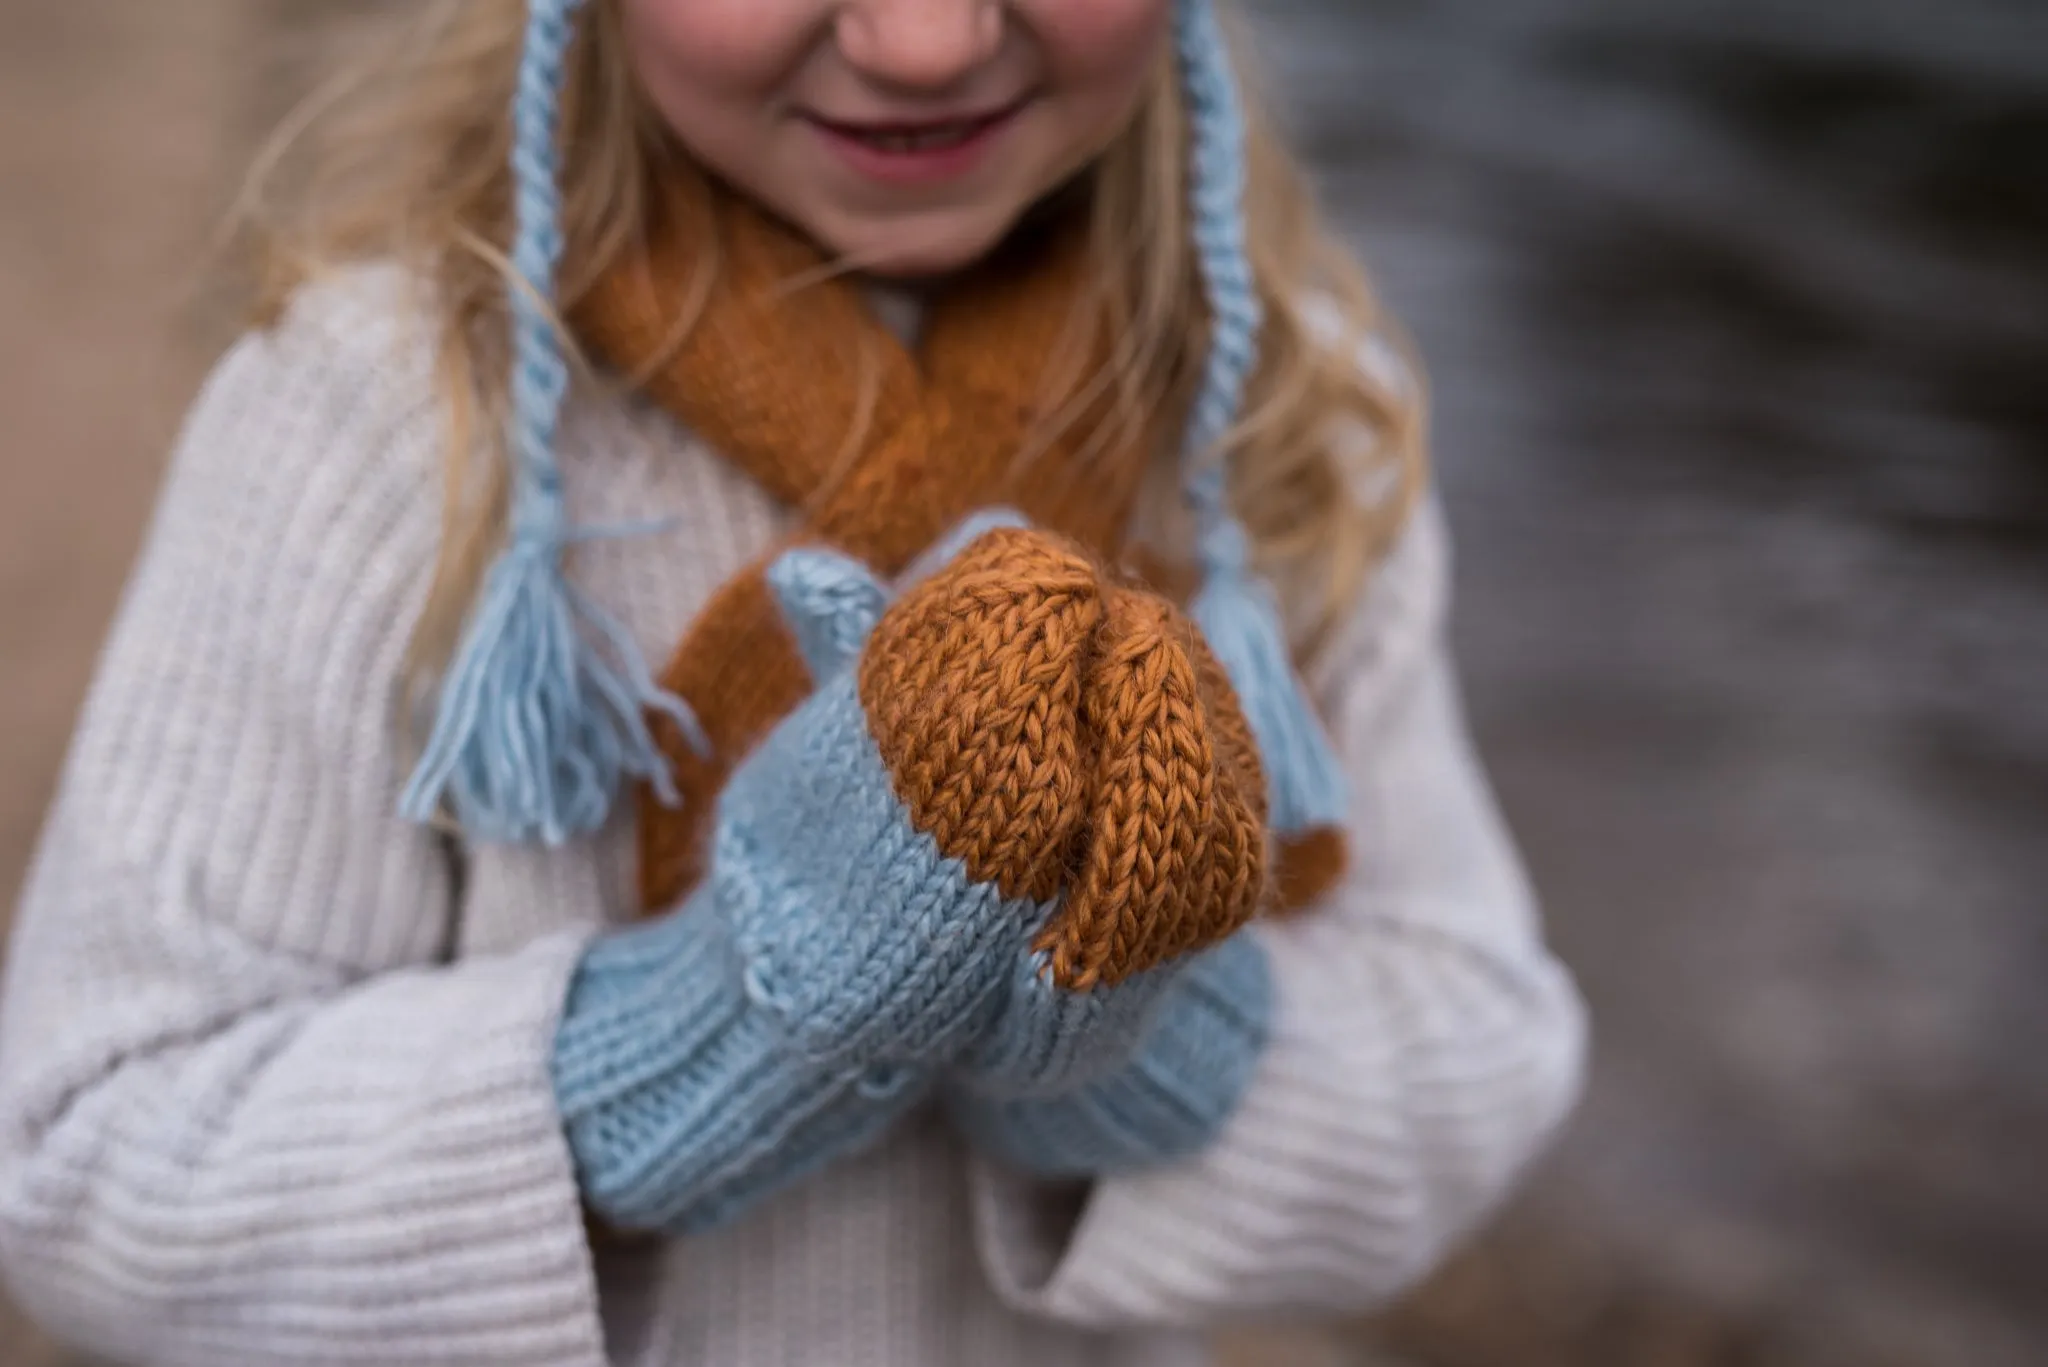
[(855, 934), (536, 730), (1120, 1079), (1068, 738), (777, 375), (276, 1073)]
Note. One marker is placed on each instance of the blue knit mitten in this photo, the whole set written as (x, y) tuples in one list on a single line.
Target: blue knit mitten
[(806, 996), (1128, 1030), (1015, 826), (1116, 1078)]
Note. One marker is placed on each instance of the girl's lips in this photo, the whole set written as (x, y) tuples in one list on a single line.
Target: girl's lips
[(917, 153)]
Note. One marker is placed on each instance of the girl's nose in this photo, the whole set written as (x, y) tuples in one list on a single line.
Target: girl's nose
[(920, 44)]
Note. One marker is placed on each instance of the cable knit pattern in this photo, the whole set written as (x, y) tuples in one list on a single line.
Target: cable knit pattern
[(1057, 734), (276, 1068)]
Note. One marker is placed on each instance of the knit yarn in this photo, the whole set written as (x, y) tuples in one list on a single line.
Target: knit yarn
[(546, 712), (1068, 737)]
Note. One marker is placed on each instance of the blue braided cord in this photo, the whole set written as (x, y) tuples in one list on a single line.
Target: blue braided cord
[(1217, 173), (540, 373), (1237, 611), (543, 714)]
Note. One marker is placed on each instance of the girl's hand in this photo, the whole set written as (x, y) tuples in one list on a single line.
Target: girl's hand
[(1072, 740), (1011, 781), (850, 922), (1088, 1084), (809, 992), (1019, 780)]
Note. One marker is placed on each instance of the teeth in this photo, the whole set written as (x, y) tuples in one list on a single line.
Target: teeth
[(934, 140)]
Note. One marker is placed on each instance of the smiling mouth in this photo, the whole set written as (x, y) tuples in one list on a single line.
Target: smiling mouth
[(907, 139)]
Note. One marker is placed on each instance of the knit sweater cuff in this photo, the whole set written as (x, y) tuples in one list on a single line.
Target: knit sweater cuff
[(1201, 1045), (684, 1094)]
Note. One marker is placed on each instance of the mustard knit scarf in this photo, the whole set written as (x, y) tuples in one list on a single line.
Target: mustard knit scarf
[(783, 362)]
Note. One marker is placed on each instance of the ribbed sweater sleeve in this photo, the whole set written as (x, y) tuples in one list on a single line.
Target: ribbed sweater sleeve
[(247, 1112), (1424, 1043)]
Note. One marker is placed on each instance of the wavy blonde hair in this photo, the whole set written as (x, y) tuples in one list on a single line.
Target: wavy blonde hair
[(403, 157)]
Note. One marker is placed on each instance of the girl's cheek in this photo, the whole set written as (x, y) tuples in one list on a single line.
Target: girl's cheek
[(1099, 54), (718, 45), (1102, 43)]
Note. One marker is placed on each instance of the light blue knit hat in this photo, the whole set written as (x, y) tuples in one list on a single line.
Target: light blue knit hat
[(544, 714)]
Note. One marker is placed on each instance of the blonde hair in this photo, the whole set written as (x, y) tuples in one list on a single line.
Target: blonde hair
[(403, 157)]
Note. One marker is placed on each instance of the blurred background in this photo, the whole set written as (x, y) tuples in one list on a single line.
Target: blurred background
[(1737, 315)]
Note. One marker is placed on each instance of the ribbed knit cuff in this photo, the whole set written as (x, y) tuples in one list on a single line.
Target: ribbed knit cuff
[(684, 1096), (1202, 1043)]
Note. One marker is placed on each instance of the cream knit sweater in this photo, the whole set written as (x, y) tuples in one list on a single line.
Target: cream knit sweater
[(274, 1079)]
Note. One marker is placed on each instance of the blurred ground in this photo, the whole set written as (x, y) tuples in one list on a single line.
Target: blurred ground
[(1738, 315)]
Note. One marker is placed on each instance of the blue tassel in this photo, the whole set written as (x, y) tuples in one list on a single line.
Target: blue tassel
[(1238, 616), (543, 715), (1236, 611), (536, 730)]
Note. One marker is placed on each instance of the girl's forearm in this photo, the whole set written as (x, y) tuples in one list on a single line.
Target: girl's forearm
[(236, 1156)]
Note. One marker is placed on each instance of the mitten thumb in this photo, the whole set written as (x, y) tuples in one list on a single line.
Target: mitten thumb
[(831, 603)]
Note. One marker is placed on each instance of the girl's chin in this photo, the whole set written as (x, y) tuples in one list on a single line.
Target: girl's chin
[(914, 246)]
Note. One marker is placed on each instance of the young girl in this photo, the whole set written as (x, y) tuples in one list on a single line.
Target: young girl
[(968, 941)]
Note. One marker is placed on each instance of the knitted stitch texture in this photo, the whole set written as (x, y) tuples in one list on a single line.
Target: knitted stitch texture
[(775, 378), (536, 728), (275, 1072), (803, 997), (1120, 1079), (794, 1008), (1057, 732), (874, 880)]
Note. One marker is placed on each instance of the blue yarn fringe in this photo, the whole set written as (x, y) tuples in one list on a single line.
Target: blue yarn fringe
[(544, 713), (1304, 782), (1236, 611), (537, 730)]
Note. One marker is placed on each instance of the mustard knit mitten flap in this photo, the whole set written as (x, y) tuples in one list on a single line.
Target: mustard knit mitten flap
[(1020, 782)]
